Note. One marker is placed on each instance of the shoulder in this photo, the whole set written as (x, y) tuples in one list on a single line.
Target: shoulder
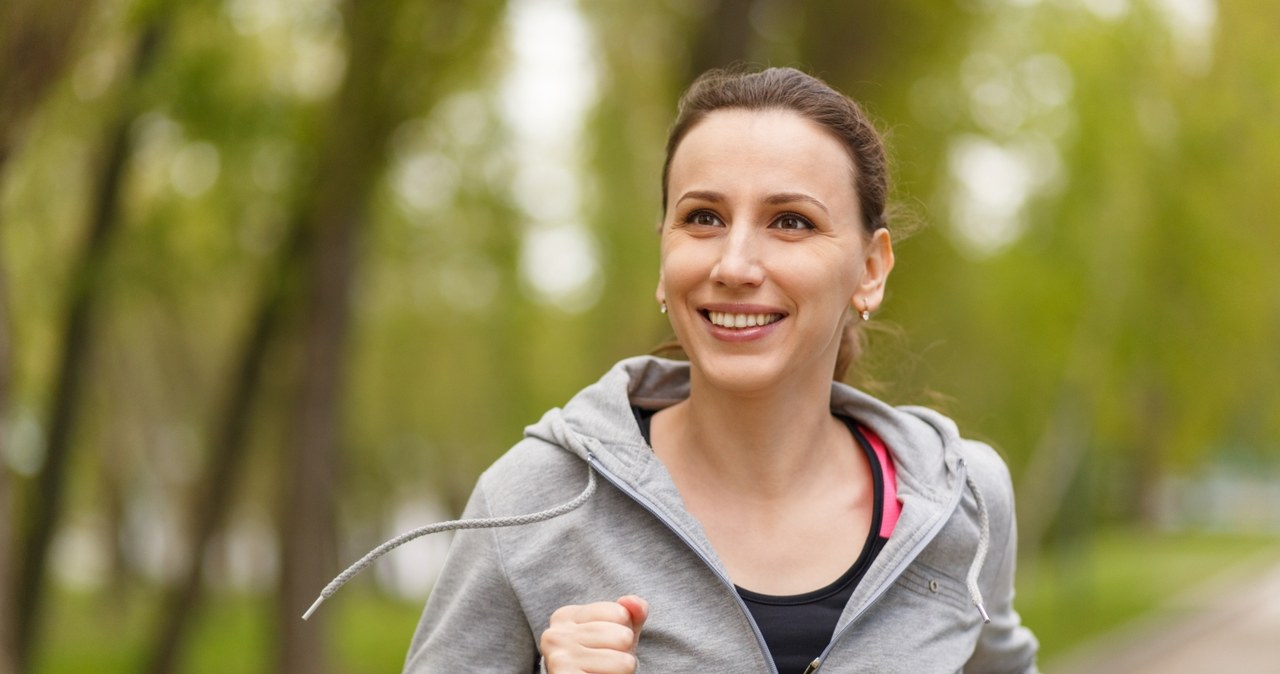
[(533, 474), (990, 474), (985, 464)]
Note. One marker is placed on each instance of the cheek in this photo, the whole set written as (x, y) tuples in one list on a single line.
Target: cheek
[(682, 266), (832, 273)]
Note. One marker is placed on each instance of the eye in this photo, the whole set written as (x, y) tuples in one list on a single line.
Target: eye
[(791, 221), (703, 218)]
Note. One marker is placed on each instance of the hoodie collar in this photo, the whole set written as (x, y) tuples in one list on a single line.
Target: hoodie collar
[(923, 443)]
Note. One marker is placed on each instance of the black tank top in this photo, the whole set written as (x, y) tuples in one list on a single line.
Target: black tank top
[(798, 627)]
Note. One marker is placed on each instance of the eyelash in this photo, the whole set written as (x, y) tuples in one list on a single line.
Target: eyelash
[(693, 216), (805, 224)]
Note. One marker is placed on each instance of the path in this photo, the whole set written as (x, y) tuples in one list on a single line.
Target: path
[(1230, 625)]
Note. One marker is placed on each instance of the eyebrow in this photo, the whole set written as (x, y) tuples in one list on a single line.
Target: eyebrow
[(792, 197), (702, 195), (776, 199)]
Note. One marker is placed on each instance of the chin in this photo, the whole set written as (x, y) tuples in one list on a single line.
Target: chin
[(742, 374)]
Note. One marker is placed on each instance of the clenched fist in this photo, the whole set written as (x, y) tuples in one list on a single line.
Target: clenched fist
[(597, 638)]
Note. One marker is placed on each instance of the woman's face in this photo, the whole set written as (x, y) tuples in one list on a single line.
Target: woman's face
[(763, 250)]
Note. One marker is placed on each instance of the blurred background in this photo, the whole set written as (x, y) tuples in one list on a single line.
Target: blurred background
[(278, 278)]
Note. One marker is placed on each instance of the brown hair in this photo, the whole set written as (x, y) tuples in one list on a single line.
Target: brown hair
[(815, 100)]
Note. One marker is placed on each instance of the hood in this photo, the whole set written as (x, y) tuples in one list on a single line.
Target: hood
[(598, 421)]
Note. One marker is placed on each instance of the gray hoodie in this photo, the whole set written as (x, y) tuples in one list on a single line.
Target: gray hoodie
[(918, 609)]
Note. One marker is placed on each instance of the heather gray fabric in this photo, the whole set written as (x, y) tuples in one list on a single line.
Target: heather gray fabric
[(911, 612)]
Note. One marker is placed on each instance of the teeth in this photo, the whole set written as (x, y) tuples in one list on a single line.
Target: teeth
[(727, 320)]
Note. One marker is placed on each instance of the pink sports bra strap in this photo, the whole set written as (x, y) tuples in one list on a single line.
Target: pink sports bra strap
[(892, 508)]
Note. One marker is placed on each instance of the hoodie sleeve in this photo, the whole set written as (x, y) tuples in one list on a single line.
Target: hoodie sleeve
[(1005, 644), (473, 619)]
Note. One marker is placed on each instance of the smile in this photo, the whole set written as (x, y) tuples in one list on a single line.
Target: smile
[(728, 320)]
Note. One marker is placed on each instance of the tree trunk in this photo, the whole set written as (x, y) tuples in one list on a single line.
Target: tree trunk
[(8, 637), (45, 499), (722, 37), (35, 46), (308, 535), (385, 82), (44, 503), (1052, 467), (226, 459), (352, 152)]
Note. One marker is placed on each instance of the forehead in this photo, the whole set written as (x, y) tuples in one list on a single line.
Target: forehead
[(778, 149)]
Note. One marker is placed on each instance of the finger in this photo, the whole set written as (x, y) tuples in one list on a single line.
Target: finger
[(602, 611), (590, 661), (638, 611), (570, 635), (597, 647)]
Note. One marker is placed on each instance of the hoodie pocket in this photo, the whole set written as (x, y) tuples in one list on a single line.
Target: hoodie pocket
[(935, 584)]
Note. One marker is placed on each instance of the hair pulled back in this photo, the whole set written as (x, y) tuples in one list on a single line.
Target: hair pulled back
[(791, 90)]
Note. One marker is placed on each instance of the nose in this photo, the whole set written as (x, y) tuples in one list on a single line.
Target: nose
[(739, 263)]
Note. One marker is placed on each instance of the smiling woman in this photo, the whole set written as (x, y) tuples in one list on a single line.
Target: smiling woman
[(810, 111), (764, 219), (773, 518)]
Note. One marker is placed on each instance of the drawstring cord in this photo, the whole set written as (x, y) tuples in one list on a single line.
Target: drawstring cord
[(453, 525), (975, 594), (979, 556)]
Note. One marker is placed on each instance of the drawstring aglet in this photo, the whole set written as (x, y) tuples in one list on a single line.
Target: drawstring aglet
[(986, 619), (314, 606)]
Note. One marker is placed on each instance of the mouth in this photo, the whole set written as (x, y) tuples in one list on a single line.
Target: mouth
[(726, 319)]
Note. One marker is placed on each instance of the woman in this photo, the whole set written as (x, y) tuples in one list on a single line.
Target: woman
[(754, 514)]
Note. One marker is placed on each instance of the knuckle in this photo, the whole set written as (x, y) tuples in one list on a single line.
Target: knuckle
[(563, 614)]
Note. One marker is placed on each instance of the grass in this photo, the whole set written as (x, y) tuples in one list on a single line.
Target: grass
[(367, 632), (1073, 596), (1067, 599)]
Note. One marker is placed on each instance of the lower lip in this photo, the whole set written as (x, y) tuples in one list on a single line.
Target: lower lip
[(740, 334)]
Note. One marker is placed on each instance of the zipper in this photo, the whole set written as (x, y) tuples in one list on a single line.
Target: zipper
[(961, 472), (733, 590)]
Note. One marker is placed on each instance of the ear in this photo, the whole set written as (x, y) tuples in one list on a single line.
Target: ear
[(877, 263)]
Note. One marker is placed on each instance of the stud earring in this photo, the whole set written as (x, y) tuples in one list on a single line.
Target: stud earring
[(663, 308), (864, 314)]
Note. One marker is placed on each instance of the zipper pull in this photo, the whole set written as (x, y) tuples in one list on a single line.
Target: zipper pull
[(813, 666)]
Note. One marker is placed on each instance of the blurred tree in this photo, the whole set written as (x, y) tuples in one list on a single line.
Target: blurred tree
[(44, 503), (721, 35), (36, 41), (1088, 302), (8, 635), (36, 44), (386, 82), (225, 459)]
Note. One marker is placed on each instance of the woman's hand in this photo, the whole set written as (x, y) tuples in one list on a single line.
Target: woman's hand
[(597, 638)]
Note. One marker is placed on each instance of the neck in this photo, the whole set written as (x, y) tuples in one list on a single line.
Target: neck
[(768, 443)]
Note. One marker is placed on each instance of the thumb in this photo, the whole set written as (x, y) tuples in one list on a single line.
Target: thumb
[(639, 610)]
